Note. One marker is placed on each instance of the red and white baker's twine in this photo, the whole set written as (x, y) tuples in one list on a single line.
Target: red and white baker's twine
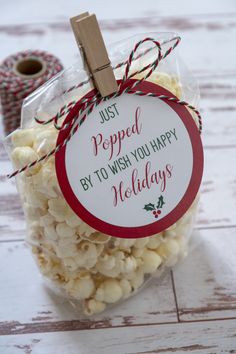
[(88, 104), (13, 88)]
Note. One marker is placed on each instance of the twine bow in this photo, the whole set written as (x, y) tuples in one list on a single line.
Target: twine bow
[(86, 105)]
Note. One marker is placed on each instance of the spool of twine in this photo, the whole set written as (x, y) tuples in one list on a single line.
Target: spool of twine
[(20, 75)]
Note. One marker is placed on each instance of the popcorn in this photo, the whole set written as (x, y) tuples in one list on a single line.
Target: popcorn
[(124, 244), (154, 241), (167, 82), (23, 137), (137, 252), (171, 247), (32, 213), (58, 208), (36, 232), (63, 230), (151, 261), (98, 238), (66, 249), (112, 291), (72, 219), (89, 252), (46, 220), (24, 155), (126, 287), (141, 242), (170, 233), (45, 141), (70, 263), (45, 181), (85, 230), (92, 306), (82, 288), (107, 262), (35, 199), (137, 280), (50, 232), (108, 266), (99, 296), (87, 265), (164, 80), (99, 248), (129, 264)]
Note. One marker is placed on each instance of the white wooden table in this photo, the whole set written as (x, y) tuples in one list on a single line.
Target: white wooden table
[(193, 308)]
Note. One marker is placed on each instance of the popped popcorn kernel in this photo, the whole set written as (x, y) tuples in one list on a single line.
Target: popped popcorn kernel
[(112, 291), (93, 306), (25, 155), (82, 288), (151, 261), (23, 137)]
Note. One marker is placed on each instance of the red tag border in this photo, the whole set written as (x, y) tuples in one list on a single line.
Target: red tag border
[(176, 213)]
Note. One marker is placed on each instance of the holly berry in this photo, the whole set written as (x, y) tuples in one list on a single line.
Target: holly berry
[(156, 216), (154, 213), (158, 212)]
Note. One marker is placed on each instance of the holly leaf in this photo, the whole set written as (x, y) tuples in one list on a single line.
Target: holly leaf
[(160, 202), (149, 207)]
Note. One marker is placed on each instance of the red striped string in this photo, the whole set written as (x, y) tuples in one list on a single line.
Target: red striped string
[(14, 88)]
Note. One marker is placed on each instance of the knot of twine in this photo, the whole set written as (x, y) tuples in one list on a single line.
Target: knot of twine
[(86, 105)]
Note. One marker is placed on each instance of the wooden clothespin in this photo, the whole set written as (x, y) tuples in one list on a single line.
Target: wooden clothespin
[(89, 39)]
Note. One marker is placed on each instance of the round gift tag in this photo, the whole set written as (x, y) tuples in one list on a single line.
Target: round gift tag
[(134, 166)]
